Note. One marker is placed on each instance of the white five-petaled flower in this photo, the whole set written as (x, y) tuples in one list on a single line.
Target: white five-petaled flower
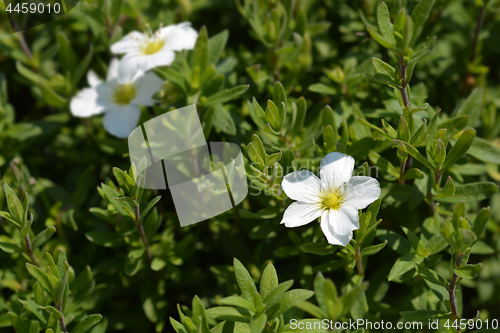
[(119, 98), (336, 197), (148, 50)]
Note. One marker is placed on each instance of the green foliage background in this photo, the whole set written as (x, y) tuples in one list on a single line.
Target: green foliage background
[(321, 53)]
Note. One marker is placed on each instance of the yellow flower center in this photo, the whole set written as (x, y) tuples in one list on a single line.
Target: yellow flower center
[(124, 93), (332, 200), (152, 46)]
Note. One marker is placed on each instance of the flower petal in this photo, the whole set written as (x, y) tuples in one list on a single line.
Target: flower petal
[(128, 43), (302, 186), (146, 86), (121, 121), (343, 220), (113, 70), (335, 169), (331, 236), (93, 79), (361, 191), (299, 214), (131, 63), (179, 37), (84, 104)]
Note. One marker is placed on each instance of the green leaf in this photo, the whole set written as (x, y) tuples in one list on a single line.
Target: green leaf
[(460, 148), (424, 50), (174, 77), (403, 265), (472, 106), (431, 275), (384, 23), (299, 111), (216, 46), (277, 291), (200, 51), (239, 302), (419, 16), (53, 311), (484, 151), (269, 280), (322, 88), (34, 327), (471, 192), (20, 325), (384, 42), (321, 249), (423, 315), (87, 323), (279, 94), (350, 297), (413, 173), (107, 239), (51, 97), (10, 247), (229, 313), (386, 79), (416, 154), (383, 67), (447, 190), (223, 121), (125, 181), (281, 304), (199, 316), (469, 271), (374, 249), (456, 124), (67, 57), (383, 164), (149, 207), (258, 323), (121, 206), (245, 281), (225, 95), (479, 224), (42, 237), (42, 278)]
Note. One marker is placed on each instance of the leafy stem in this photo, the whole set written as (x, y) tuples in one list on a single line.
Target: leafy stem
[(29, 250), (451, 290), (142, 233), (403, 90), (61, 320), (359, 261)]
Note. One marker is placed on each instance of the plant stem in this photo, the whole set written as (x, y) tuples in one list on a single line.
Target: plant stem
[(359, 262), (22, 41), (469, 79), (404, 92), (479, 26), (451, 291), (142, 234), (402, 166), (61, 321), (29, 250)]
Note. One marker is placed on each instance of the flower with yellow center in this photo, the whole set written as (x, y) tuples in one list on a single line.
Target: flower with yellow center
[(144, 51), (119, 98), (335, 198)]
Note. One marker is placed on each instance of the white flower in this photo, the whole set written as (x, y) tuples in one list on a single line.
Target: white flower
[(147, 50), (335, 198), (119, 98)]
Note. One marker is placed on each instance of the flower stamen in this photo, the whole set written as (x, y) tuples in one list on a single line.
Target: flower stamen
[(124, 93), (332, 199)]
